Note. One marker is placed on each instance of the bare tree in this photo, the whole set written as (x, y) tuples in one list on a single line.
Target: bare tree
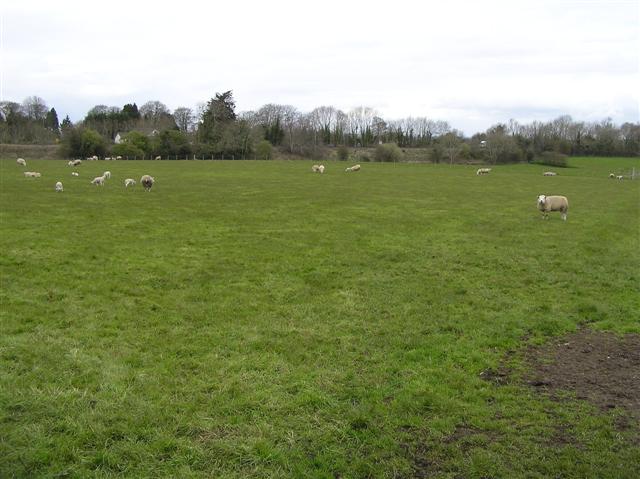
[(154, 110), (35, 108), (184, 118)]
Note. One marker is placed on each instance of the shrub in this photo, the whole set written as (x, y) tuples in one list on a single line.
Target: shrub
[(362, 158), (127, 150), (343, 153), (264, 150), (387, 152), (551, 158)]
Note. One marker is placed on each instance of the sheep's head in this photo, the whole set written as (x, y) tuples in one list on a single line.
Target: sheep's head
[(542, 199)]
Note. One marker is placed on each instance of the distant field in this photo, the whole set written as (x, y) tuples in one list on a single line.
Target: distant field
[(252, 319)]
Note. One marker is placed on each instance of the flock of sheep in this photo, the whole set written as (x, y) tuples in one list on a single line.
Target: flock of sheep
[(546, 204), (146, 181)]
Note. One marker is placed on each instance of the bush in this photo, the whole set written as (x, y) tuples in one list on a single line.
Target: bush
[(343, 153), (127, 150), (551, 158), (387, 152), (264, 150), (362, 158)]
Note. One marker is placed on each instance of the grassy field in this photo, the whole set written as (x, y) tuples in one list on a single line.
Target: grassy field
[(252, 319)]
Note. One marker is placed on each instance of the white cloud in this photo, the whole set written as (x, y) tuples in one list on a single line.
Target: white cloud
[(470, 63)]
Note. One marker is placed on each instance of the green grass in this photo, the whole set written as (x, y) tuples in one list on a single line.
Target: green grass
[(252, 319)]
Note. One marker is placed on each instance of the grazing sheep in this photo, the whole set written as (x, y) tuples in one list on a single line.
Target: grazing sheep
[(483, 171), (315, 168), (21, 162), (353, 168), (147, 182), (612, 176), (70, 163), (158, 157), (95, 158), (321, 169), (75, 173), (108, 158), (59, 186), (107, 175), (129, 182), (549, 173), (118, 157), (76, 162), (98, 180), (619, 177), (32, 174), (553, 203)]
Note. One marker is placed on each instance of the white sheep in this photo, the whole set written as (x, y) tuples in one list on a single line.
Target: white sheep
[(21, 162), (32, 174), (612, 176), (107, 158), (95, 158), (549, 173), (75, 173), (59, 186), (147, 182), (107, 175), (158, 157), (619, 177), (483, 171), (98, 180), (321, 169), (76, 162), (70, 163), (118, 157), (353, 168), (553, 203), (315, 168), (129, 182)]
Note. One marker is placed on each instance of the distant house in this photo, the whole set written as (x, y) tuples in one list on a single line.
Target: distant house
[(119, 138)]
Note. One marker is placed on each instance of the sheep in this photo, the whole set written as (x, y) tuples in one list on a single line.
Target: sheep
[(107, 175), (147, 182), (21, 162), (619, 177), (76, 163), (70, 163), (483, 171), (59, 186), (353, 168), (98, 180), (612, 176), (118, 157), (75, 173), (108, 158), (321, 169), (315, 168), (129, 182), (95, 158), (32, 174), (553, 203), (549, 173), (158, 157)]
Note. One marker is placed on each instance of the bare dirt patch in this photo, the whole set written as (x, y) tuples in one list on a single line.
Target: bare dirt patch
[(599, 367)]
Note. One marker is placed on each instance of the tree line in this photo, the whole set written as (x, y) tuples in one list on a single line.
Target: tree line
[(215, 129)]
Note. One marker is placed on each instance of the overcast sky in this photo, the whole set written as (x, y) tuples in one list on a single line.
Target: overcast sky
[(471, 63)]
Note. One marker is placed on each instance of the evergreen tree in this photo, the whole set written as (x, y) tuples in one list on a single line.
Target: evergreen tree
[(51, 121)]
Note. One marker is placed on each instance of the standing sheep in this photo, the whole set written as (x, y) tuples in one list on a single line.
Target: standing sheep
[(76, 163), (158, 158), (98, 180), (59, 186), (129, 182), (107, 175), (612, 176), (619, 177), (147, 182), (21, 162), (321, 169), (553, 203), (315, 168), (483, 171)]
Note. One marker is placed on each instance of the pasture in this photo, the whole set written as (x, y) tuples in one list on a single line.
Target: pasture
[(253, 319)]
